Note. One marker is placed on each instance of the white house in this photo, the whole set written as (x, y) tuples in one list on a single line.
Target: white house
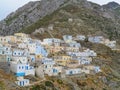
[(73, 71), (22, 82), (31, 58), (96, 39), (93, 68), (111, 44), (20, 59), (77, 45), (83, 60), (19, 52), (80, 37), (48, 65), (82, 54), (26, 39), (57, 70), (22, 45), (7, 50), (50, 27), (90, 52), (21, 69), (51, 41), (67, 38), (31, 47)]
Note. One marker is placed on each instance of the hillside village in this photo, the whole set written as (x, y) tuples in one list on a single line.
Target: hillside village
[(25, 56)]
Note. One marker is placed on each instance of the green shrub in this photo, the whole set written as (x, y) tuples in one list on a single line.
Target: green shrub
[(39, 87), (49, 84), (60, 81)]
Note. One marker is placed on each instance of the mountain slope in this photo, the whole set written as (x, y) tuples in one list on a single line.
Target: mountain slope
[(28, 15), (58, 17), (111, 5), (88, 18)]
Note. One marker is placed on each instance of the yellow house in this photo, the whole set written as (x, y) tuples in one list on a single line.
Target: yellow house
[(72, 49), (21, 34), (62, 60), (38, 56), (31, 48), (89, 67), (19, 39), (73, 64), (12, 39), (54, 49)]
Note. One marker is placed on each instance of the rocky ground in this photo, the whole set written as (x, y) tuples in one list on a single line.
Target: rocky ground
[(58, 17)]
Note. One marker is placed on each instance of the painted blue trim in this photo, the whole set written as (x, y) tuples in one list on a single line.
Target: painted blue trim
[(20, 74)]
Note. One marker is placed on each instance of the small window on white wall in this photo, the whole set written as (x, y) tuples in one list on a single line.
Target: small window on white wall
[(22, 67), (19, 67)]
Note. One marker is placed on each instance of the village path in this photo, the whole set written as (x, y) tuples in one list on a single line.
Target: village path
[(38, 82)]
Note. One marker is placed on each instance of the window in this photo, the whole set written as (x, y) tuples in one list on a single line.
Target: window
[(32, 58), (6, 48), (26, 67), (22, 67), (8, 59), (19, 67), (3, 52)]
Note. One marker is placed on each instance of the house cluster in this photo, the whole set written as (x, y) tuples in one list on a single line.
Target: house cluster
[(102, 40), (20, 51), (97, 39), (51, 56)]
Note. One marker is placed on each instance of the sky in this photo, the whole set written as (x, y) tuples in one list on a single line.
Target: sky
[(101, 2), (8, 6)]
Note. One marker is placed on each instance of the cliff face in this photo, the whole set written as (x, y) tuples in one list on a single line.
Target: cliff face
[(28, 14)]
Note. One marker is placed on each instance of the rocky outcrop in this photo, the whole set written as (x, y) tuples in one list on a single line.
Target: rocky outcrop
[(28, 14)]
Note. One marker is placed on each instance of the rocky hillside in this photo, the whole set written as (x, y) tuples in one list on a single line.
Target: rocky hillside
[(64, 17), (54, 18), (28, 14), (111, 5)]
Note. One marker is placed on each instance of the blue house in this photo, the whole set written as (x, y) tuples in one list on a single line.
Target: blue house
[(41, 50)]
